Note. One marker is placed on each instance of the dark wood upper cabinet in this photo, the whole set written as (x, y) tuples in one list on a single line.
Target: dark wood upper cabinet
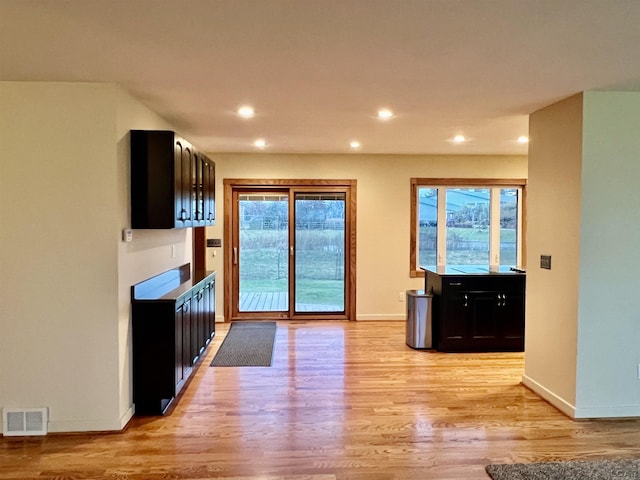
[(209, 190), (172, 183)]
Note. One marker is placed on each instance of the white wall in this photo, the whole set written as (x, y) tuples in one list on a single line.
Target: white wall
[(609, 306), (383, 216), (583, 329), (64, 273), (553, 228), (151, 251), (58, 268)]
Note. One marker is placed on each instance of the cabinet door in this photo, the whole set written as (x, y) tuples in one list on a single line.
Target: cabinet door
[(179, 368), (483, 322), (182, 183), (210, 309), (199, 310), (510, 314), (197, 189), (209, 182), (186, 339), (187, 184), (180, 213), (453, 326)]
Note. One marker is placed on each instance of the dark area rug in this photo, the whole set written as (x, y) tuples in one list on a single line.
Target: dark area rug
[(248, 344), (578, 470)]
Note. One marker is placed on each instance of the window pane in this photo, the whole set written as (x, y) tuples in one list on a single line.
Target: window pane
[(319, 252), (264, 253), (509, 226), (468, 226), (427, 226)]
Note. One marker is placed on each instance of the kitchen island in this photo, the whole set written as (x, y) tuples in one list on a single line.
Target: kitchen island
[(477, 307)]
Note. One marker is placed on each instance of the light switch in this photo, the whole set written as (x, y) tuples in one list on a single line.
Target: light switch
[(545, 261)]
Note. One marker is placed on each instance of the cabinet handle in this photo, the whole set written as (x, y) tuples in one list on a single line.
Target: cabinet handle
[(455, 284), (291, 251), (235, 255), (466, 300), (502, 300), (183, 215)]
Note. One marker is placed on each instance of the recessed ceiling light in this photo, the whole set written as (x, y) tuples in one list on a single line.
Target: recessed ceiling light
[(523, 139), (246, 111), (355, 145), (459, 139), (385, 114), (260, 143)]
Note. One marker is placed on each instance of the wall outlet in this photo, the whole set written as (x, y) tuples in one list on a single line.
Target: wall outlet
[(401, 296)]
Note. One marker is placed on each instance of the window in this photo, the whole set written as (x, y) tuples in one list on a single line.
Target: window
[(466, 222)]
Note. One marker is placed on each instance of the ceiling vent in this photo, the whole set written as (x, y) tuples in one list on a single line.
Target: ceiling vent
[(24, 421)]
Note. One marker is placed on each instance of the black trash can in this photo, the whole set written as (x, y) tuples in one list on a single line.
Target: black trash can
[(419, 329)]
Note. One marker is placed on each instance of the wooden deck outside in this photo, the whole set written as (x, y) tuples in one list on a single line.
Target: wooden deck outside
[(279, 302)]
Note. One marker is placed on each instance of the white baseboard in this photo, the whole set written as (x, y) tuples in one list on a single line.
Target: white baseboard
[(623, 411), (620, 411), (558, 402), (99, 425), (128, 415), (386, 316)]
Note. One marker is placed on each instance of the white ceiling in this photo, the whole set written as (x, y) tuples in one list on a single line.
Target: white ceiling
[(316, 71)]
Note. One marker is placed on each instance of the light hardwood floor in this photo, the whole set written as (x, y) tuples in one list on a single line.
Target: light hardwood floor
[(341, 401)]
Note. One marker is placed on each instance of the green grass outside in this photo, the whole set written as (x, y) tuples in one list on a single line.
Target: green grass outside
[(472, 234), (427, 254), (320, 265), (319, 279)]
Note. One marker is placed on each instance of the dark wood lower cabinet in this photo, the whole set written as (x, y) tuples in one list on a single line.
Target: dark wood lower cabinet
[(173, 320), (477, 312)]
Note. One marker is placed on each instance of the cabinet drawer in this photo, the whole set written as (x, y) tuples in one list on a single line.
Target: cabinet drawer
[(483, 283)]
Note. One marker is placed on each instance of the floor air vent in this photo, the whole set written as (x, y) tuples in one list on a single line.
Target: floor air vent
[(25, 421)]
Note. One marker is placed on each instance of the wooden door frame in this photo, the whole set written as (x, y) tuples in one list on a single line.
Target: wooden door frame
[(231, 184), (199, 252)]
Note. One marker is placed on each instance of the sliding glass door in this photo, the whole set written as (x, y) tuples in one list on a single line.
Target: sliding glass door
[(290, 252)]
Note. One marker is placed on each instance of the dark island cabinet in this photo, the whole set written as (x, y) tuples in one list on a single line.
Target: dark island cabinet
[(172, 183), (478, 312), (173, 322)]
